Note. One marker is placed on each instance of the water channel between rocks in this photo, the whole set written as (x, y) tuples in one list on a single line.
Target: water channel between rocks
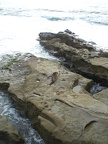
[(22, 123)]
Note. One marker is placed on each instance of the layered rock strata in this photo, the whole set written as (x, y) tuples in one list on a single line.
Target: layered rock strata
[(64, 112), (80, 55)]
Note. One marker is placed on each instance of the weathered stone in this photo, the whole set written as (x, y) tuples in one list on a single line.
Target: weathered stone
[(102, 96), (80, 55), (62, 113), (8, 134)]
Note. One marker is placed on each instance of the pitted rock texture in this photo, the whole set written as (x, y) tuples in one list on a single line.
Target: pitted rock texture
[(64, 112)]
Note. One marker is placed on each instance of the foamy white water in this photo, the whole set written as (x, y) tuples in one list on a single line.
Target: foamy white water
[(22, 20)]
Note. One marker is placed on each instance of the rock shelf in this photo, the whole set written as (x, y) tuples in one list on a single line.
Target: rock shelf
[(64, 112), (79, 55)]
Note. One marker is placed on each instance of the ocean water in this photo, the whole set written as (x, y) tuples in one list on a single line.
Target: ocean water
[(22, 20), (18, 120)]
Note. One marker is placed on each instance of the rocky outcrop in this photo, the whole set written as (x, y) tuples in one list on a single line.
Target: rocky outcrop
[(62, 113), (79, 55), (8, 134)]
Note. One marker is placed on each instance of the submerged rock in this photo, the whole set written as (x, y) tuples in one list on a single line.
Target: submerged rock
[(80, 55), (62, 113), (8, 134)]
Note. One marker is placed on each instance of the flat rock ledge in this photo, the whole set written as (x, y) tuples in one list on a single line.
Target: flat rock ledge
[(8, 134), (63, 112), (80, 55)]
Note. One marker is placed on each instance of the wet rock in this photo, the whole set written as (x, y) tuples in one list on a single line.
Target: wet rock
[(4, 86), (46, 36), (62, 113), (96, 88), (68, 38), (80, 55), (8, 134)]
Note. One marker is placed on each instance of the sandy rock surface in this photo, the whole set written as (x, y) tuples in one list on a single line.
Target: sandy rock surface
[(62, 113)]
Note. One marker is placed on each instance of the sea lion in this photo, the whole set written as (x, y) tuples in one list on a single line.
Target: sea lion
[(54, 77)]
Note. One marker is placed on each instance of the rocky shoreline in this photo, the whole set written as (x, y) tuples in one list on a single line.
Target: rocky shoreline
[(64, 112), (79, 55)]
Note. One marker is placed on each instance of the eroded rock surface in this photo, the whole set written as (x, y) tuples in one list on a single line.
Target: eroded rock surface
[(8, 134), (62, 113), (102, 96), (80, 55)]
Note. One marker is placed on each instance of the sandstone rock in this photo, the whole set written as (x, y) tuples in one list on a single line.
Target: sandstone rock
[(62, 113), (80, 55), (8, 134), (102, 96)]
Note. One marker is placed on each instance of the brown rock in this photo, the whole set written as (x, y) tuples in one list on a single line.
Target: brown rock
[(63, 113), (80, 55), (8, 134), (102, 96)]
